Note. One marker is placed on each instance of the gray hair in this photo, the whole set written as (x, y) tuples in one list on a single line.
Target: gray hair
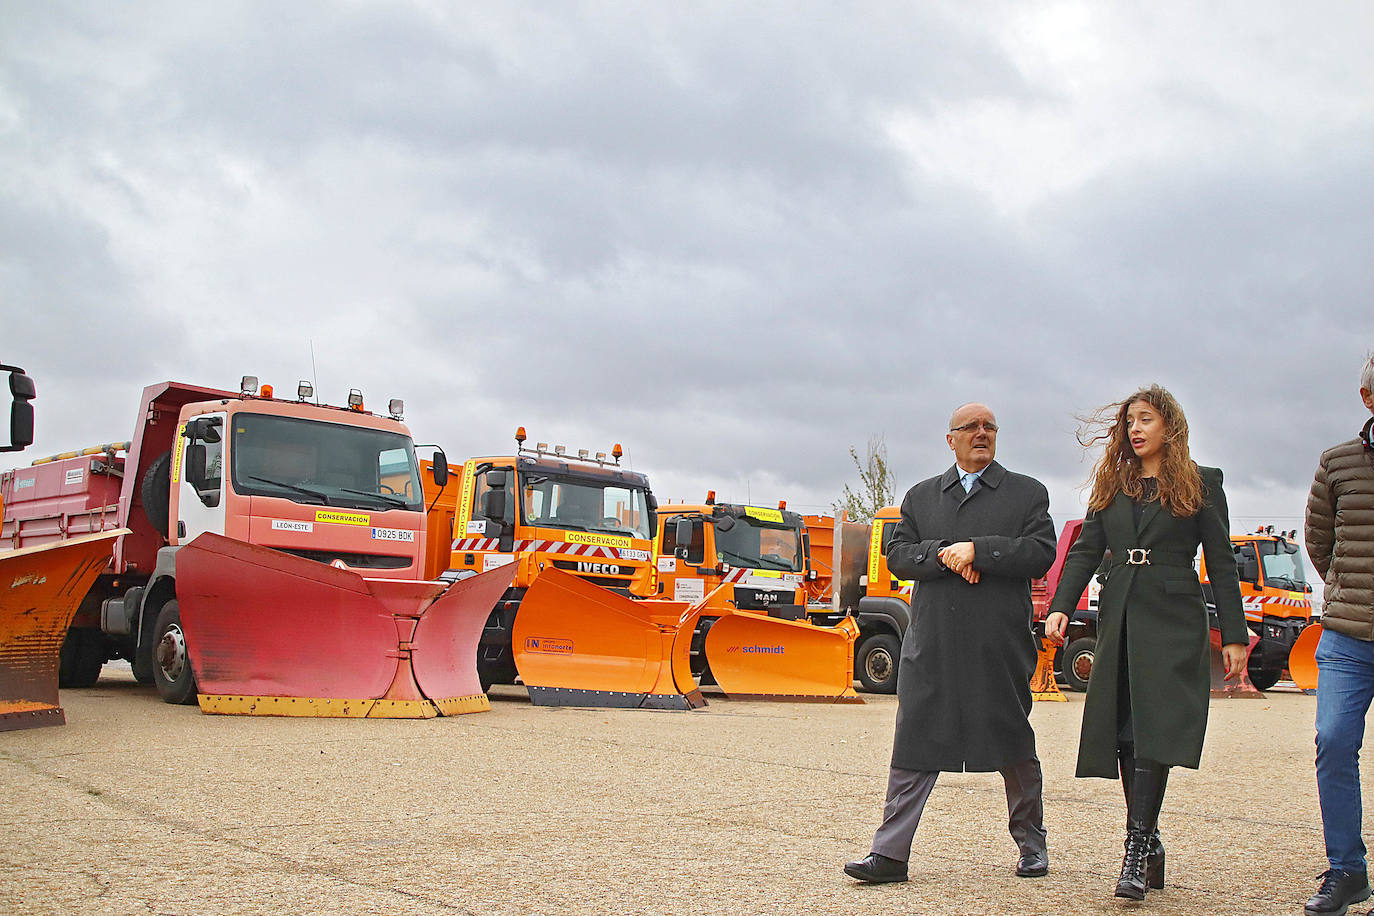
[(1367, 373)]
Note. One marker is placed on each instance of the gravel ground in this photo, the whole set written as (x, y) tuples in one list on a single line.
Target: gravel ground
[(742, 807)]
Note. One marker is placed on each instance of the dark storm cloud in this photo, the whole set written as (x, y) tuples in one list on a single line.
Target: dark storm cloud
[(689, 229)]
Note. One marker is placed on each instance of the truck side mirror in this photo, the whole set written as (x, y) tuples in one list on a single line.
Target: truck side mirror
[(195, 465), (682, 534), (440, 469), (651, 501), (203, 429), (21, 411), (1249, 569), (494, 504), (496, 479), (724, 523)]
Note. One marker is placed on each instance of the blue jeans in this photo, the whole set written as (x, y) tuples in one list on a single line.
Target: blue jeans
[(1345, 687)]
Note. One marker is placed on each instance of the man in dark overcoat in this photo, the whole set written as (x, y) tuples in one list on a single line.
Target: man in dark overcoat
[(972, 539)]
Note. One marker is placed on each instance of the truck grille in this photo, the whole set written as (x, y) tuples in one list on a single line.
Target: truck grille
[(356, 560)]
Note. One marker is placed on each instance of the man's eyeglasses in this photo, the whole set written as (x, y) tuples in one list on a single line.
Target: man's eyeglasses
[(973, 427)]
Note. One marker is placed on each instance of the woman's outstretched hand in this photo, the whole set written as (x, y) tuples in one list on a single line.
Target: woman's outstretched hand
[(1055, 625), (1233, 656)]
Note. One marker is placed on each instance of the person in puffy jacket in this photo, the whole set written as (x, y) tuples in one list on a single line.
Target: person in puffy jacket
[(1340, 541)]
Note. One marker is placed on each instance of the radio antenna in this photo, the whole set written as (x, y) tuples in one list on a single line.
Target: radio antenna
[(314, 375)]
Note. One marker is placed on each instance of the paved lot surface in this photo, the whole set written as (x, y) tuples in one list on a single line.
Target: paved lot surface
[(743, 807)]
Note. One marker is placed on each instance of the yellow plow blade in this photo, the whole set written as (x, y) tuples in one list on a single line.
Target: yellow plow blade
[(40, 591), (754, 656), (577, 644)]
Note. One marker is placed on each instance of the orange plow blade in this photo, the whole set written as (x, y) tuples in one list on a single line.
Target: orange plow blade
[(40, 591), (268, 633), (577, 644), (1302, 658), (754, 656), (1043, 684)]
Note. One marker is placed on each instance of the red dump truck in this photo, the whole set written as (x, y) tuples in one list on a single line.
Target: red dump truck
[(337, 485)]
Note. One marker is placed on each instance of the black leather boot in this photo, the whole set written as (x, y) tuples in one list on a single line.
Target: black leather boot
[(1154, 858), (1142, 817)]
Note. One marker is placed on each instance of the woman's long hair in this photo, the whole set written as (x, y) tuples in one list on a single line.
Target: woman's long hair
[(1118, 470)]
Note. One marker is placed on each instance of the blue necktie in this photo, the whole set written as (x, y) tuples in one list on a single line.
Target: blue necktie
[(967, 480)]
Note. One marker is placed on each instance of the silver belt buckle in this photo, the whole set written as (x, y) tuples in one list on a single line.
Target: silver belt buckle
[(1138, 556)]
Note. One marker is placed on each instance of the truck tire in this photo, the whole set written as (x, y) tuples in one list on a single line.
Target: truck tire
[(701, 666), (156, 490), (1263, 678), (82, 657), (1077, 662), (876, 661), (172, 674)]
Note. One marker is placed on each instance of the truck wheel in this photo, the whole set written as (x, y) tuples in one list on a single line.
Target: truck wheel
[(171, 665), (156, 490), (141, 663), (1263, 678), (875, 662), (701, 667), (82, 657), (1078, 662)]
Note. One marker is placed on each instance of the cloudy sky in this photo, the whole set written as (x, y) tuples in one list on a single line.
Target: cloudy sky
[(738, 238)]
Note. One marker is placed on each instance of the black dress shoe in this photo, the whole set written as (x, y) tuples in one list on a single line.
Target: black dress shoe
[(1033, 864), (876, 869), (1339, 889)]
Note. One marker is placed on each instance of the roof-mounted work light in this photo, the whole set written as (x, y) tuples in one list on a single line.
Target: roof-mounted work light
[(249, 386), (304, 390), (397, 408), (355, 399)]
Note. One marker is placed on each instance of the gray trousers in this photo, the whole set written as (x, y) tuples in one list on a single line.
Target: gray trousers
[(907, 791)]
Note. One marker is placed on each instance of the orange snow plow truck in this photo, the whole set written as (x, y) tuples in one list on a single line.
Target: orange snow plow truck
[(744, 570), (582, 623), (268, 562), (40, 588)]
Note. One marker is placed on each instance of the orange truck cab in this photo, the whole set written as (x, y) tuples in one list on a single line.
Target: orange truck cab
[(333, 484), (537, 509), (865, 588), (756, 551), (1276, 596)]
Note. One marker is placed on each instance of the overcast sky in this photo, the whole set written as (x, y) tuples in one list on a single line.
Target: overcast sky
[(738, 238)]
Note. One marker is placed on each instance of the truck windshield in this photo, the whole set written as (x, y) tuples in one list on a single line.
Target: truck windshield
[(759, 545), (331, 464), (582, 504), (1282, 565)]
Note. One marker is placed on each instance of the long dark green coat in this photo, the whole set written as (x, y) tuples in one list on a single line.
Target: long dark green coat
[(963, 685), (1167, 648)]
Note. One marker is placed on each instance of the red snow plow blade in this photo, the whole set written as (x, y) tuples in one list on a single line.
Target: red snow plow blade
[(1237, 687), (40, 590), (268, 633)]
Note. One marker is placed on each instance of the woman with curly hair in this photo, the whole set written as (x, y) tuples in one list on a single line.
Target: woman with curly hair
[(1146, 708)]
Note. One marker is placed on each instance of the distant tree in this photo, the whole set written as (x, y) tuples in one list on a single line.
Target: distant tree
[(877, 486)]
